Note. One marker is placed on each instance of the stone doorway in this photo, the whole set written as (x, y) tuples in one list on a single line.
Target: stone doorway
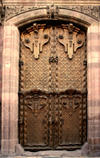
[(10, 69), (53, 91)]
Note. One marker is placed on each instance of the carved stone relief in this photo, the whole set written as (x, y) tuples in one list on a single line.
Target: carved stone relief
[(52, 11)]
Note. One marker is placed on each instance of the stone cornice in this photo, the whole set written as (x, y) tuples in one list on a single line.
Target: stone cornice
[(92, 11), (56, 2)]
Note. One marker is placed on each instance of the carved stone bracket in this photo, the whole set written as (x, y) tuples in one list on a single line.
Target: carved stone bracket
[(2, 14), (70, 39), (52, 11), (35, 39)]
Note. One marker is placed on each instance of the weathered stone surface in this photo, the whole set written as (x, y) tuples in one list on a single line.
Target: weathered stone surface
[(92, 11), (27, 153), (55, 153), (9, 92), (84, 149), (19, 149)]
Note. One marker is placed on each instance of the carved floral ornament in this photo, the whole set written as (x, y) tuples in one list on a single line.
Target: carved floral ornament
[(53, 10), (35, 102), (36, 37), (71, 102)]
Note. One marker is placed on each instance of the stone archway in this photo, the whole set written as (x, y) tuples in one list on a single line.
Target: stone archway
[(10, 66)]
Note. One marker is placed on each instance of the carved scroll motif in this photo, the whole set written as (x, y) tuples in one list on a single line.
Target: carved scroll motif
[(35, 103), (35, 39), (71, 102), (70, 39)]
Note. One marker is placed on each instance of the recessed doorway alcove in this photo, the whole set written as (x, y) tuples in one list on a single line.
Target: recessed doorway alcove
[(72, 34)]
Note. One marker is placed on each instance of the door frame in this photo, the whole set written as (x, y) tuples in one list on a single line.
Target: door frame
[(10, 72)]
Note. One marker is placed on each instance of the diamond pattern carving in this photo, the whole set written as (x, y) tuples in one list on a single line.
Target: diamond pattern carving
[(52, 87)]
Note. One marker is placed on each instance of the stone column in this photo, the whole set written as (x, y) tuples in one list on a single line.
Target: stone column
[(93, 69), (10, 70)]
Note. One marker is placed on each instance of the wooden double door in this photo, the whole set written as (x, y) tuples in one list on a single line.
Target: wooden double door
[(52, 87)]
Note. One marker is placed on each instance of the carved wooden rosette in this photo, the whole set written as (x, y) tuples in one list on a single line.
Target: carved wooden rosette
[(52, 98)]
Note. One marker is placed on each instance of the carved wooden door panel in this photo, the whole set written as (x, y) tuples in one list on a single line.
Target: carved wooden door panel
[(52, 87)]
